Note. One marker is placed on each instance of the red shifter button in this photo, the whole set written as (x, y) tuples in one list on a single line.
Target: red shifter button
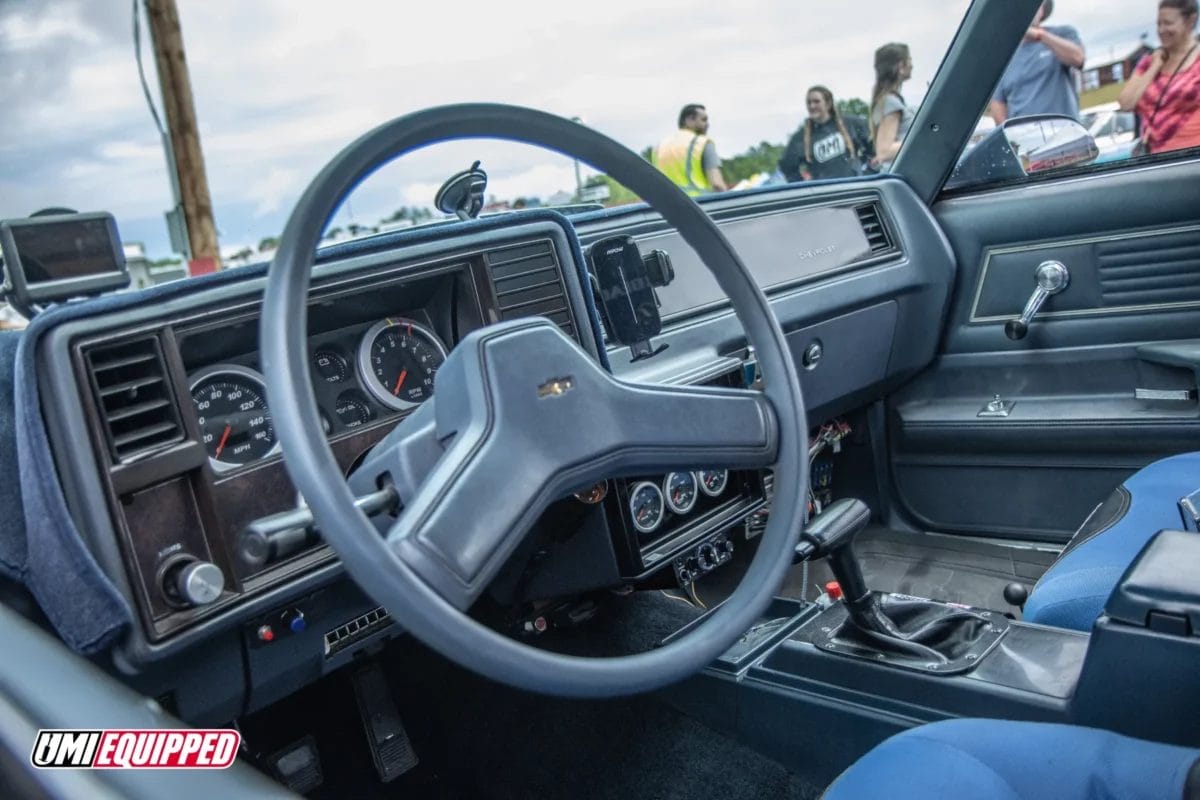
[(834, 590)]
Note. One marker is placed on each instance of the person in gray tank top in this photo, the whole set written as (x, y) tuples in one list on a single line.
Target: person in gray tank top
[(890, 115)]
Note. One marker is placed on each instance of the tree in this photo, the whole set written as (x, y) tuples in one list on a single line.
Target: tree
[(762, 157), (268, 243), (618, 195), (853, 107)]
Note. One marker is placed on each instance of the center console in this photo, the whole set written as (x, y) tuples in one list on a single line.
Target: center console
[(803, 686)]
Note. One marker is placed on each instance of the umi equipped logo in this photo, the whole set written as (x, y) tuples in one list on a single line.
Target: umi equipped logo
[(135, 749)]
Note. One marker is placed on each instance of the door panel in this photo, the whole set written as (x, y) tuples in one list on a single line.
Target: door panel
[(1129, 320)]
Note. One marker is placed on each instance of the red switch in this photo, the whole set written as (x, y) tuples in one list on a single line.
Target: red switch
[(834, 590), (265, 633)]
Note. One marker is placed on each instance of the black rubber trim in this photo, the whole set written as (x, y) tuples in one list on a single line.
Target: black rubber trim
[(1102, 518)]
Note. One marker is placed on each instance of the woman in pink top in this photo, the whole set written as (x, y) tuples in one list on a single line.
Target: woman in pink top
[(1165, 87)]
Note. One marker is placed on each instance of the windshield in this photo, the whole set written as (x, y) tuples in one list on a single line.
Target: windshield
[(276, 93)]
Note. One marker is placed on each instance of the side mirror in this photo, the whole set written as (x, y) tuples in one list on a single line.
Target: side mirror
[(1025, 146)]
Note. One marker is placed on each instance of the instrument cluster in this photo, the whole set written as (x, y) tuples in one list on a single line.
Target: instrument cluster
[(359, 375)]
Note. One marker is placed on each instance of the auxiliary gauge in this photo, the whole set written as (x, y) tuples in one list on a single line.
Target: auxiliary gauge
[(646, 506), (681, 490), (713, 481)]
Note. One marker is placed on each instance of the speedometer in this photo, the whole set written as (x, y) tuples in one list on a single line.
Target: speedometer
[(397, 361), (235, 420)]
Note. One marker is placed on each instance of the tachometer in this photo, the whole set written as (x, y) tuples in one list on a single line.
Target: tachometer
[(235, 420), (681, 489), (646, 506), (397, 361)]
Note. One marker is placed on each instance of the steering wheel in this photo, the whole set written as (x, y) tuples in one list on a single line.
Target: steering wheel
[(522, 417)]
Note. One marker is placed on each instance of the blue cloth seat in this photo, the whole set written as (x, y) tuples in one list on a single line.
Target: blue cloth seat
[(984, 759), (1073, 591)]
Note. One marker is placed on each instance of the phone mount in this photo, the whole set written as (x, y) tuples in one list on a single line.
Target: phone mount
[(625, 283), (462, 195)]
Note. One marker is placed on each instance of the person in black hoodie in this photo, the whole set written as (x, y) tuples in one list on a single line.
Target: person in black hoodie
[(827, 145)]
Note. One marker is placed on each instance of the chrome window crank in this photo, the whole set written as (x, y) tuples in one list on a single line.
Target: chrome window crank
[(1052, 278)]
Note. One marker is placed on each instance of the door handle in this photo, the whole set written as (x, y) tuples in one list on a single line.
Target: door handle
[(1052, 277)]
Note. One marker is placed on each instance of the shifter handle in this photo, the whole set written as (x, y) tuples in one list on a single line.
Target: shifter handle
[(830, 535), (837, 525)]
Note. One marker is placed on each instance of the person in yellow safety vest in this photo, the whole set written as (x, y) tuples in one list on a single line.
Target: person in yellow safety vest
[(688, 157)]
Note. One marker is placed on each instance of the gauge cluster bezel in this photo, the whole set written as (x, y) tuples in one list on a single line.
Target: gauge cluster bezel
[(345, 343), (136, 512)]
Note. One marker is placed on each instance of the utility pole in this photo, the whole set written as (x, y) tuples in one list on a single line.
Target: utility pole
[(184, 136)]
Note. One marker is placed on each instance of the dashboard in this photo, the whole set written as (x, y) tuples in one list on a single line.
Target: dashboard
[(161, 428)]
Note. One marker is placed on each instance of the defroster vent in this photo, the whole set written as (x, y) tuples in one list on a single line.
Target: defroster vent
[(873, 228), (528, 283), (133, 397)]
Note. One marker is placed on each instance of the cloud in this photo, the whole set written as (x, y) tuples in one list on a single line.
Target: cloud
[(280, 86), (269, 192)]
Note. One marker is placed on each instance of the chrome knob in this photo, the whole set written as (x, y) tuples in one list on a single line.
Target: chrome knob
[(199, 582)]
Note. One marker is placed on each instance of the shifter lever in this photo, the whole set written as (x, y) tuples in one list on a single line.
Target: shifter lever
[(831, 535)]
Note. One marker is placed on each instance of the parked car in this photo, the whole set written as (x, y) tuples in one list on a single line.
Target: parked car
[(1115, 131)]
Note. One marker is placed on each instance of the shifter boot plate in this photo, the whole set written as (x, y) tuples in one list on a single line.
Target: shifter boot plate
[(962, 651)]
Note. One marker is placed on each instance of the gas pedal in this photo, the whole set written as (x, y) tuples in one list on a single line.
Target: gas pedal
[(391, 749)]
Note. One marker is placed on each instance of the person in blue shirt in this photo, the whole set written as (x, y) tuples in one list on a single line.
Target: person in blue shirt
[(1039, 78)]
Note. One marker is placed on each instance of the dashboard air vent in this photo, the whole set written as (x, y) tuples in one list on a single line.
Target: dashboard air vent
[(134, 399), (528, 283), (872, 224)]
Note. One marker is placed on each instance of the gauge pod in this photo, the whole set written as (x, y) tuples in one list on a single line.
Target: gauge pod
[(713, 481), (352, 409), (397, 362), (330, 366), (235, 420), (646, 507), (681, 490)]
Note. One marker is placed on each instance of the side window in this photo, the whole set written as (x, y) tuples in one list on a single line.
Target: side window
[(1125, 91)]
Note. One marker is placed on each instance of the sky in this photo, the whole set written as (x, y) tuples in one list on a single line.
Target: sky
[(280, 86)]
